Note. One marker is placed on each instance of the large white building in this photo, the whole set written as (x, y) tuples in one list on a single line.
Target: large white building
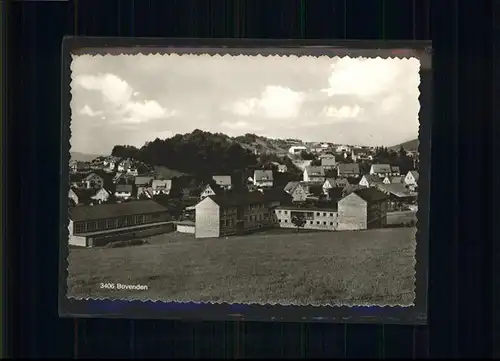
[(295, 149)]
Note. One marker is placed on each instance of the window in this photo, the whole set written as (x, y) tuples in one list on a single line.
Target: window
[(101, 224), (79, 227), (286, 221), (317, 222), (223, 222), (91, 226), (279, 220), (310, 222), (110, 223), (121, 222), (324, 214), (139, 219), (331, 214), (279, 211), (131, 220), (324, 223), (317, 213), (286, 212), (331, 223)]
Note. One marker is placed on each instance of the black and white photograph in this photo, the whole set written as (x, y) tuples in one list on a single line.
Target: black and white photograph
[(244, 179)]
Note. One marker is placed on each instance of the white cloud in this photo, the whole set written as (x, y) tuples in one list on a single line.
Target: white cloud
[(275, 102), (365, 77), (117, 97), (344, 112), (390, 103), (87, 110)]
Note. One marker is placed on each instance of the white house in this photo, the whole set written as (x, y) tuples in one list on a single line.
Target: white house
[(295, 149), (411, 178), (132, 171), (282, 168), (343, 148), (101, 196), (209, 190), (314, 174), (223, 181), (263, 178), (393, 180), (124, 166), (328, 163), (161, 186)]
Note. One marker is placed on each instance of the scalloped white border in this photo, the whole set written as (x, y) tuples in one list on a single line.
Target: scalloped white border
[(297, 57)]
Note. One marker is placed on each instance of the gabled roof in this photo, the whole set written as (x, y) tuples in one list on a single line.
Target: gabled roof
[(291, 186), (381, 168), (238, 199), (84, 194), (260, 175), (348, 168), (370, 195), (396, 180), (397, 189), (214, 187), (372, 178), (91, 175), (142, 180), (88, 213), (315, 171), (124, 188), (328, 161), (415, 174), (335, 192), (331, 181), (222, 180)]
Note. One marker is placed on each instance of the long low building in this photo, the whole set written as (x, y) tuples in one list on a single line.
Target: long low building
[(91, 226), (314, 218)]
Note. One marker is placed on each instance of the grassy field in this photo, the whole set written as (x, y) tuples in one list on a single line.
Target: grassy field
[(404, 217), (363, 267)]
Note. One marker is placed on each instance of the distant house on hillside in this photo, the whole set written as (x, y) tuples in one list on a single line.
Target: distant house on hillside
[(295, 189), (363, 209), (348, 170), (263, 178), (297, 149), (370, 180), (314, 174), (88, 196), (223, 181), (123, 191), (124, 165), (334, 183), (78, 166), (282, 168)]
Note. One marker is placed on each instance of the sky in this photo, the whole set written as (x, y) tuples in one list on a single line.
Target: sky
[(132, 99)]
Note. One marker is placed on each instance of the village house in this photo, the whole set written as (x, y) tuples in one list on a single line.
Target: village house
[(297, 192), (315, 218), (363, 209), (334, 183), (328, 162), (263, 178), (381, 170), (370, 180), (314, 174), (94, 180), (282, 168), (391, 180), (143, 181), (348, 170), (223, 181), (124, 165), (79, 196), (411, 178), (133, 171), (79, 167), (211, 190), (360, 155), (343, 149), (395, 170), (161, 186), (224, 215), (399, 197), (275, 197), (91, 226), (123, 191), (110, 163)]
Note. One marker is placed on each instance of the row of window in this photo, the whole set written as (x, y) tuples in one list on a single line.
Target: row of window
[(318, 214), (113, 223), (252, 218), (310, 222)]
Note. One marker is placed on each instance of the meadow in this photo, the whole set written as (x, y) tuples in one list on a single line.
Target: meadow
[(317, 268)]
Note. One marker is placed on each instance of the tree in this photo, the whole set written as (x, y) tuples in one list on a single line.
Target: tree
[(299, 221), (305, 155), (316, 162)]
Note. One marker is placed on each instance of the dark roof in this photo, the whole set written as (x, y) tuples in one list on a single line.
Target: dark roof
[(87, 213), (348, 168), (336, 192), (84, 194), (124, 188), (276, 194), (309, 208), (238, 199), (371, 194)]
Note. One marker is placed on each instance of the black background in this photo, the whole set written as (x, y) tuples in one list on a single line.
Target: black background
[(463, 217)]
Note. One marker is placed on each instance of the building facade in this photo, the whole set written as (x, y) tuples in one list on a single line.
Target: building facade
[(363, 209), (97, 225), (315, 218)]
